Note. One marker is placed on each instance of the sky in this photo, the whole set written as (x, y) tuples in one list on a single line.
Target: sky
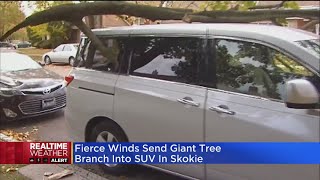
[(26, 9)]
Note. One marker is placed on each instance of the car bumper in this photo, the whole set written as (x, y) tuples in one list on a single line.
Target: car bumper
[(25, 106)]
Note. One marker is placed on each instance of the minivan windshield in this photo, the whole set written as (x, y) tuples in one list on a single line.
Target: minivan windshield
[(311, 45), (16, 62)]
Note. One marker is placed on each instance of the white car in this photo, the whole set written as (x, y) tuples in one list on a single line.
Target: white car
[(65, 53), (6, 45), (199, 83)]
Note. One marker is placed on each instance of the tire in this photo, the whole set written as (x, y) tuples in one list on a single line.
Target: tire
[(71, 61), (47, 60), (101, 129)]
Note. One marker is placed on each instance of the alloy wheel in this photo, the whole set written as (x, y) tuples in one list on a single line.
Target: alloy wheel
[(106, 136)]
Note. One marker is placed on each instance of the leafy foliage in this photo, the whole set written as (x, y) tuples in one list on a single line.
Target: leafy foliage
[(10, 15), (49, 35), (291, 5)]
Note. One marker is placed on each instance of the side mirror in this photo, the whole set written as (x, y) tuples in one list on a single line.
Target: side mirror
[(301, 94), (53, 50)]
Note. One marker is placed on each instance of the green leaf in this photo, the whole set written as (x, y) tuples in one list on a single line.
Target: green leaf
[(245, 5), (291, 5)]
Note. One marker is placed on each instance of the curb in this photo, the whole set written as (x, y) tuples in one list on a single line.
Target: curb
[(7, 138)]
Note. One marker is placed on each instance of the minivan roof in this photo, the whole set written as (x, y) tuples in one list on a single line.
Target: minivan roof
[(216, 29)]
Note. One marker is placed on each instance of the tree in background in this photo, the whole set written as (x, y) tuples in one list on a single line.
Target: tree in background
[(10, 14), (52, 34)]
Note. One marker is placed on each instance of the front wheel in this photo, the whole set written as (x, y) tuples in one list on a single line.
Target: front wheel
[(47, 60), (109, 132), (71, 61)]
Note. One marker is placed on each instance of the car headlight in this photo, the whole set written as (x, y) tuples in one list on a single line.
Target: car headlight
[(7, 92)]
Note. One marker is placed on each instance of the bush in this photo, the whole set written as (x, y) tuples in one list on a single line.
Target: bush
[(44, 44)]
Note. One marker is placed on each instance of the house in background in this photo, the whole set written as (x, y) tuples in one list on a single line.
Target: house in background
[(101, 21), (297, 22)]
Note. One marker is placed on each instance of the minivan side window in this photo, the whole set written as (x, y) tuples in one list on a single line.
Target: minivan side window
[(168, 58), (94, 58), (255, 69)]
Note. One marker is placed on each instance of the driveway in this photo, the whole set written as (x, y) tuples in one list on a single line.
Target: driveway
[(52, 127)]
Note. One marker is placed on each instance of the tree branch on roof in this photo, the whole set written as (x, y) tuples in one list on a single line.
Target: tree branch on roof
[(310, 24), (78, 11), (94, 39), (275, 22)]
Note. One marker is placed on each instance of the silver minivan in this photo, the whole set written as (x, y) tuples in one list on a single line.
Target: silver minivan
[(199, 83)]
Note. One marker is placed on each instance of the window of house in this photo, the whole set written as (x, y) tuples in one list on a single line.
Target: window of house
[(172, 59), (255, 69)]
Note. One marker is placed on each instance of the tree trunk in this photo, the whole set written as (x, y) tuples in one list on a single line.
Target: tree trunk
[(310, 24), (90, 21), (94, 39)]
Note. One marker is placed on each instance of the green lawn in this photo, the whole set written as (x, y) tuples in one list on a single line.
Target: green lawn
[(34, 53)]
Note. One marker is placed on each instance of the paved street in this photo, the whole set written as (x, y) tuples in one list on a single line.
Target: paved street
[(52, 127)]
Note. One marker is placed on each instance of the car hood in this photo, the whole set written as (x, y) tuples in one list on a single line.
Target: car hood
[(28, 79)]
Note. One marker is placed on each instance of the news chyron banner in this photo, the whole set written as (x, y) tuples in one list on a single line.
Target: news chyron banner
[(35, 152), (160, 153)]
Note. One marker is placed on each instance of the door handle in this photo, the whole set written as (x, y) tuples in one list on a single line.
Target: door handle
[(189, 101), (222, 109)]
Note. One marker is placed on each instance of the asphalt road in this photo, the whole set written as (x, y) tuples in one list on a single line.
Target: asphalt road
[(51, 127)]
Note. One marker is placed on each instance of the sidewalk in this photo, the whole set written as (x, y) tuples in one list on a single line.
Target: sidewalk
[(37, 171)]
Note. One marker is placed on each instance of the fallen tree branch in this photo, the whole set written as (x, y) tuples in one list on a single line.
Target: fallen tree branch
[(94, 39), (247, 16), (310, 24), (260, 14), (275, 22), (80, 10)]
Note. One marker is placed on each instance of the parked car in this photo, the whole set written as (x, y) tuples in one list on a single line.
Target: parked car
[(6, 45), (27, 89), (15, 43), (24, 44), (65, 53), (199, 83)]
